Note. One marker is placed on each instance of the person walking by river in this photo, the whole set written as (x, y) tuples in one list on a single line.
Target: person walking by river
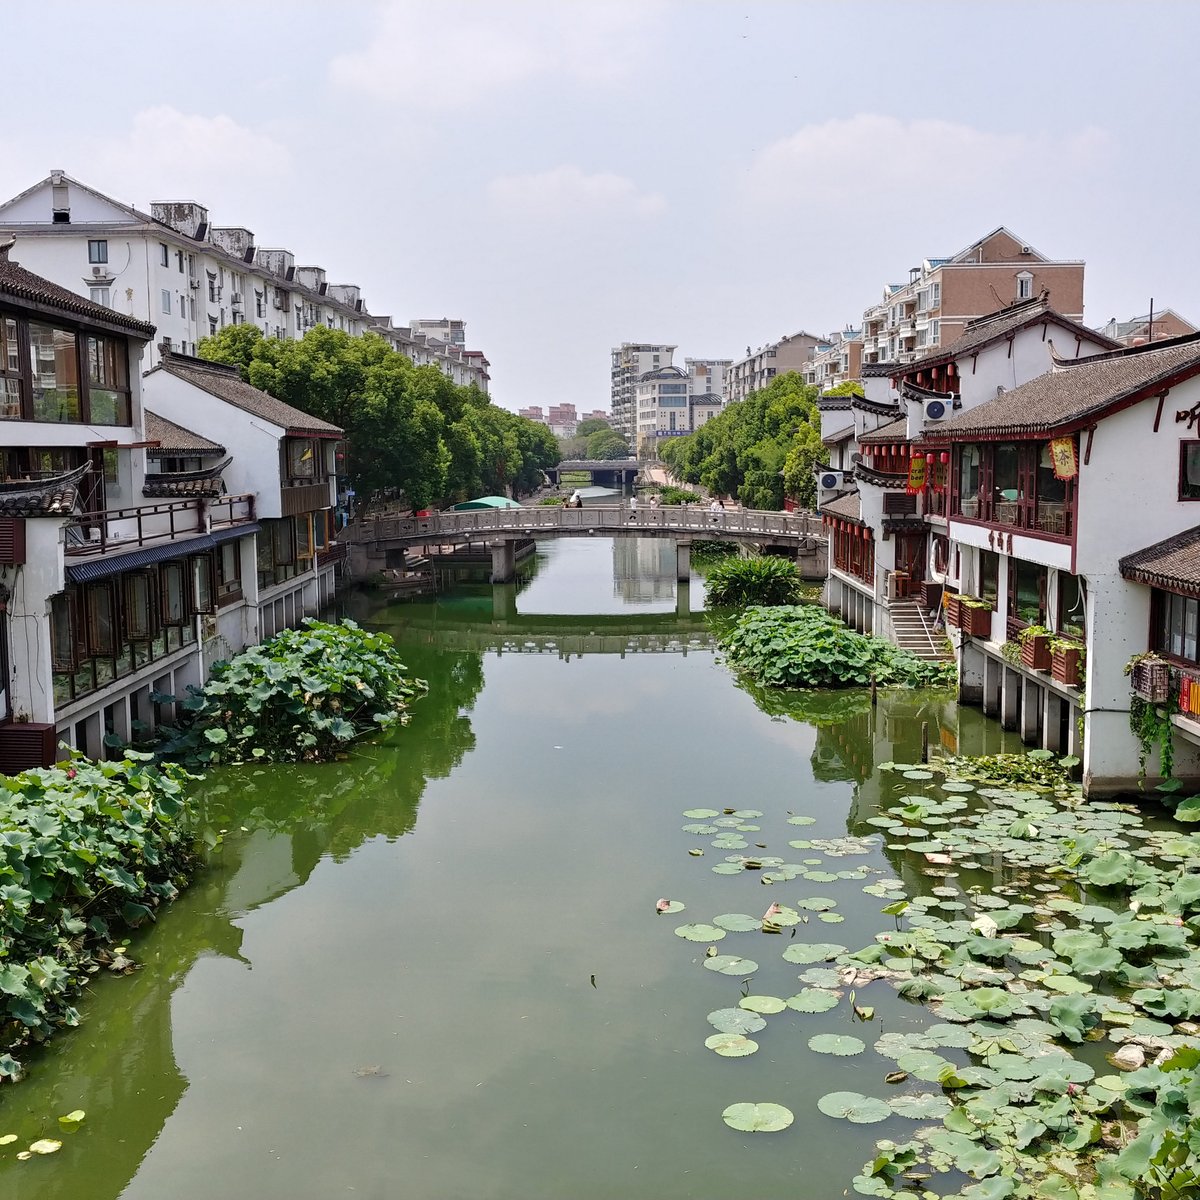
[(632, 507)]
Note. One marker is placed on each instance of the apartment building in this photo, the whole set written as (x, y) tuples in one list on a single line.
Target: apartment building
[(173, 268), (943, 295), (534, 412), (630, 361), (760, 366), (562, 420), (708, 376), (448, 330), (1151, 327), (836, 359), (663, 408)]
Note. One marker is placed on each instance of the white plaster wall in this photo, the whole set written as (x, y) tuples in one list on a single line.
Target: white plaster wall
[(31, 587), (253, 442)]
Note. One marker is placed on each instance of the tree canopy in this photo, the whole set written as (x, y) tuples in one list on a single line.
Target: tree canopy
[(758, 449), (606, 444), (409, 428)]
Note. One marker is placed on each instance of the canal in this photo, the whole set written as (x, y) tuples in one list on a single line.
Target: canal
[(436, 970)]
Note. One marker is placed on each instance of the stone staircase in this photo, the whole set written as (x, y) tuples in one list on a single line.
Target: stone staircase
[(913, 631)]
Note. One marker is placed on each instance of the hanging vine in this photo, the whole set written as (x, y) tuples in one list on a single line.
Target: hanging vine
[(1150, 723)]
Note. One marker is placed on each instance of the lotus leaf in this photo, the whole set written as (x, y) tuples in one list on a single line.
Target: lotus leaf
[(812, 952), (855, 1107), (835, 1043), (45, 1146), (757, 1118), (730, 1045), (762, 1004), (736, 1020), (812, 1000), (700, 933), (700, 814), (730, 964), (920, 1107), (699, 830), (737, 922)]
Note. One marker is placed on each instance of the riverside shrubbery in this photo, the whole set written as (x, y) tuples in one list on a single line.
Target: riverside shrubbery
[(805, 647), (302, 696), (738, 582), (86, 848)]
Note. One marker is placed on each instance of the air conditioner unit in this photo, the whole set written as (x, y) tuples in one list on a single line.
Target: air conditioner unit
[(1026, 249), (194, 284), (280, 302), (235, 300), (97, 272), (830, 480), (936, 410)]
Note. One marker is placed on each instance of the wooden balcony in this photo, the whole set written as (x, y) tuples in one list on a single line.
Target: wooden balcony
[(303, 498), (112, 529)]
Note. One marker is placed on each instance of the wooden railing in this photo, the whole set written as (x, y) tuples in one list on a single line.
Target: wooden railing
[(122, 528), (697, 522)]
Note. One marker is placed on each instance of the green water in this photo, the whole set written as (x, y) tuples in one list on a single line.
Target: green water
[(469, 908)]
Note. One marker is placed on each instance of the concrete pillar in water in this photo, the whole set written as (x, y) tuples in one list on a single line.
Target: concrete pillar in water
[(1010, 699), (1031, 711), (683, 597), (504, 561), (972, 666), (683, 561), (1052, 716), (992, 672), (504, 601)]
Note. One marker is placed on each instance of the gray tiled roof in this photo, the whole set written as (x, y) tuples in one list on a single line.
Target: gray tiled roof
[(1173, 563), (175, 441), (1075, 389), (840, 435), (847, 507), (21, 284), (54, 496), (226, 384), (983, 331), (893, 431)]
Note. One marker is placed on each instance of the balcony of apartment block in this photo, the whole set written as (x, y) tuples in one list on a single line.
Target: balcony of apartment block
[(115, 530)]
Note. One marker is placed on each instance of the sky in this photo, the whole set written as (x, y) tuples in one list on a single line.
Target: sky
[(565, 176)]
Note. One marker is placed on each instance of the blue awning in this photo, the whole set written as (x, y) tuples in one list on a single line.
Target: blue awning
[(115, 564)]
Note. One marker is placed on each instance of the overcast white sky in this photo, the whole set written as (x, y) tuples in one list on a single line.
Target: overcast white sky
[(573, 174)]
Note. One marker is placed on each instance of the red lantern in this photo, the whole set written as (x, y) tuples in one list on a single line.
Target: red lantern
[(929, 459), (945, 457), (866, 534), (903, 451)]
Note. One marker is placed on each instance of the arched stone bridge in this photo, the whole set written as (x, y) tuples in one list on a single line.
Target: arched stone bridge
[(501, 528)]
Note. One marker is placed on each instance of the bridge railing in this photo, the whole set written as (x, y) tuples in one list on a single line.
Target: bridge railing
[(478, 523)]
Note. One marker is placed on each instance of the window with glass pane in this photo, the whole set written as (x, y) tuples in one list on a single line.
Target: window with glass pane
[(141, 614), (304, 538), (968, 480), (101, 619), (229, 569), (265, 556), (320, 530), (62, 636), (202, 570), (282, 544), (302, 463), (1005, 475), (1026, 591), (174, 593), (989, 576), (108, 381), (1189, 470), (1072, 598), (55, 373)]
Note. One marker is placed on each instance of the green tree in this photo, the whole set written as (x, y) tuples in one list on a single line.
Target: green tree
[(591, 425), (757, 449), (409, 428), (607, 444)]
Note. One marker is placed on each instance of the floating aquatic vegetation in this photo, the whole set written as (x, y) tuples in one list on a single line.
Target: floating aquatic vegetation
[(757, 1118)]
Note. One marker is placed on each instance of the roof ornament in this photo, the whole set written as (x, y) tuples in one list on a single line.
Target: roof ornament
[(6, 244)]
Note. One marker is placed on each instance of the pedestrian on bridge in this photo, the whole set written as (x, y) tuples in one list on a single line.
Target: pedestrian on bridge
[(632, 507)]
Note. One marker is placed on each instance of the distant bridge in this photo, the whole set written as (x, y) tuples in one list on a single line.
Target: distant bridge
[(800, 533), (616, 472)]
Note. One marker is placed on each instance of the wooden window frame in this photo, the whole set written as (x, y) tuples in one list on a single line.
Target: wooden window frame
[(131, 624), (1183, 449), (96, 648), (186, 594), (61, 611), (202, 570)]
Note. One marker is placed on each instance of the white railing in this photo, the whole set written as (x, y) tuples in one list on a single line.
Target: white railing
[(599, 519)]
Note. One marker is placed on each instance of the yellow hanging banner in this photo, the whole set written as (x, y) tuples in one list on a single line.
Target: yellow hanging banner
[(916, 475), (1062, 455)]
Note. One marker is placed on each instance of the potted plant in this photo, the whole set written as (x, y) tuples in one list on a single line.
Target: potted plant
[(1066, 660), (1150, 677), (975, 617), (1035, 647)]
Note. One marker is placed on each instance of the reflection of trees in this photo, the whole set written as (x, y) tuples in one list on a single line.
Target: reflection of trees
[(120, 1067)]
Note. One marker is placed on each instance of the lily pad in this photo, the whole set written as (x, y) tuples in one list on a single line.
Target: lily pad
[(813, 1000), (670, 906), (731, 1045), (45, 1146), (762, 1004), (802, 820), (737, 922), (700, 933), (730, 964), (921, 1107), (700, 814), (812, 952), (736, 1020), (762, 1117), (855, 1107), (840, 1044)]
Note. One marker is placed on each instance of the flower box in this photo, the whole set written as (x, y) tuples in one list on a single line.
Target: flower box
[(976, 621), (1035, 652), (1151, 680), (1065, 662), (954, 611)]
